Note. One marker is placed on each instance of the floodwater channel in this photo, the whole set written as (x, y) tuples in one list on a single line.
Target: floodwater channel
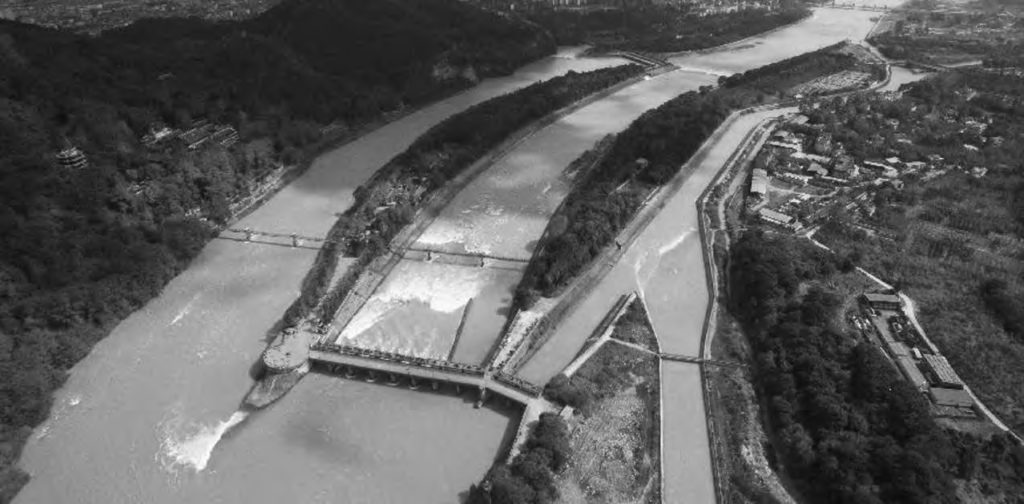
[(140, 417)]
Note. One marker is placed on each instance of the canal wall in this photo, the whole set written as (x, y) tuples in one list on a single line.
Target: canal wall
[(711, 278)]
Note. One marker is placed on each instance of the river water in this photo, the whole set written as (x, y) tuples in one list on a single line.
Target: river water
[(140, 417)]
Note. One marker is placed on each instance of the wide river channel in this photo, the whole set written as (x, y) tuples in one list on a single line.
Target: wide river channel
[(151, 415)]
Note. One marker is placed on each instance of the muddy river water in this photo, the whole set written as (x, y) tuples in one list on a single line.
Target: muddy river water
[(150, 416)]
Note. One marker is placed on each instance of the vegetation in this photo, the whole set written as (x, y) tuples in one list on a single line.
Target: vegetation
[(530, 478), (848, 428), (993, 38), (661, 28), (605, 374), (85, 247), (952, 228), (615, 446)]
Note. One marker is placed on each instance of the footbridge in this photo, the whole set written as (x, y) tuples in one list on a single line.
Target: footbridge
[(297, 240), (347, 360), (465, 258), (699, 360), (641, 59)]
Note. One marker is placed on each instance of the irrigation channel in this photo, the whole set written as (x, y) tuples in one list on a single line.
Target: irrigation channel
[(151, 414)]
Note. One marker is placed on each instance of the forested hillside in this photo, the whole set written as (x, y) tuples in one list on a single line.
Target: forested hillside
[(846, 425), (84, 247)]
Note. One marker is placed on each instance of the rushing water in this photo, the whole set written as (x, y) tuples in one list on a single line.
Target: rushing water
[(150, 416), (147, 417)]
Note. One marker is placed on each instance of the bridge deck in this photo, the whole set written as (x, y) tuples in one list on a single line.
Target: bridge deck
[(471, 377), (698, 360)]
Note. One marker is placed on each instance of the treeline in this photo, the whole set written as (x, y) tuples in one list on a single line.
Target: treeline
[(387, 203), (645, 156), (661, 28), (84, 248), (849, 428), (777, 78), (530, 478)]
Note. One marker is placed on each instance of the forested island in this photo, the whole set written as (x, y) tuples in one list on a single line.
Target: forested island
[(646, 156), (662, 28), (162, 126)]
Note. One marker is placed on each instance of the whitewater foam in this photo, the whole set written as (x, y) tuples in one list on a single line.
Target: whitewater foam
[(193, 450)]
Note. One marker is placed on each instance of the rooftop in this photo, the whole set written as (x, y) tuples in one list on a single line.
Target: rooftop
[(943, 371), (951, 397)]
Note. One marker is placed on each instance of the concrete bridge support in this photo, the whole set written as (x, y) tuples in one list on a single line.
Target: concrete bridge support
[(392, 379), (481, 398), (349, 372), (371, 376), (434, 384), (413, 384)]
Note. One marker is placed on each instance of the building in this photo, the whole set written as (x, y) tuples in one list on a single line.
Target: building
[(778, 218), (941, 373), (883, 301), (71, 157), (800, 180), (759, 183), (953, 398), (912, 373), (817, 170)]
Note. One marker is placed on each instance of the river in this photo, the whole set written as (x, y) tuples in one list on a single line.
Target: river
[(139, 418)]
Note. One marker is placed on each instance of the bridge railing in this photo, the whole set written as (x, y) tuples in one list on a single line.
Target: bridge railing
[(422, 362), (517, 383)]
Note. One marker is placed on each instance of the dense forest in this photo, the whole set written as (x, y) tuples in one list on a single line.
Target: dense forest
[(661, 28), (848, 428), (530, 478), (387, 203), (85, 247)]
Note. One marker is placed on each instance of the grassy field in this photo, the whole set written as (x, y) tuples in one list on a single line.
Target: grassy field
[(615, 437)]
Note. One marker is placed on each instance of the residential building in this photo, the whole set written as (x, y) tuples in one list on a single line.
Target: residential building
[(759, 183), (881, 301)]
